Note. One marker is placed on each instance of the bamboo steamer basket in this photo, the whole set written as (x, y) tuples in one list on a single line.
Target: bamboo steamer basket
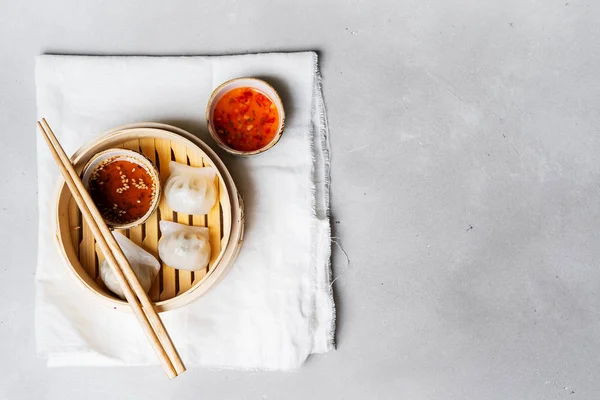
[(172, 288)]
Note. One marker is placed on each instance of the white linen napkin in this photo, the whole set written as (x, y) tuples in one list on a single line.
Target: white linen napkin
[(275, 306)]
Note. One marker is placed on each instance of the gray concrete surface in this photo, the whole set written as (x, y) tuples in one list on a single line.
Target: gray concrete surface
[(465, 191)]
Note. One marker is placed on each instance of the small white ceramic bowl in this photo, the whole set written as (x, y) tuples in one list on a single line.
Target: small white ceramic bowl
[(256, 84), (126, 155)]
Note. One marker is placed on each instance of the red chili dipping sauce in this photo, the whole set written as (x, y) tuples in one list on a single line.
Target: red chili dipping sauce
[(246, 119), (122, 190)]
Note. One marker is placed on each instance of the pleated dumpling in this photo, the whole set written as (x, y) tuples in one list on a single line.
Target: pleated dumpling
[(144, 265), (183, 246), (191, 190)]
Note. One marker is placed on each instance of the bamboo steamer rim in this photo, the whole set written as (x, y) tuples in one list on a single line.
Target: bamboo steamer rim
[(228, 252)]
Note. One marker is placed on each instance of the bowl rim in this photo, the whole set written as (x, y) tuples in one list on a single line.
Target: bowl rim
[(152, 170), (276, 100)]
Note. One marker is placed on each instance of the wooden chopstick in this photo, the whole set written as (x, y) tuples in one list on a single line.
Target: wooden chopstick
[(134, 293)]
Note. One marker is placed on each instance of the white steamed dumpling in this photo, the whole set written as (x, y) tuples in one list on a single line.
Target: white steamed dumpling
[(191, 190), (183, 246), (144, 265)]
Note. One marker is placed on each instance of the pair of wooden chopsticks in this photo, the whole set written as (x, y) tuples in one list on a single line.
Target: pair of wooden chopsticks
[(136, 296)]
